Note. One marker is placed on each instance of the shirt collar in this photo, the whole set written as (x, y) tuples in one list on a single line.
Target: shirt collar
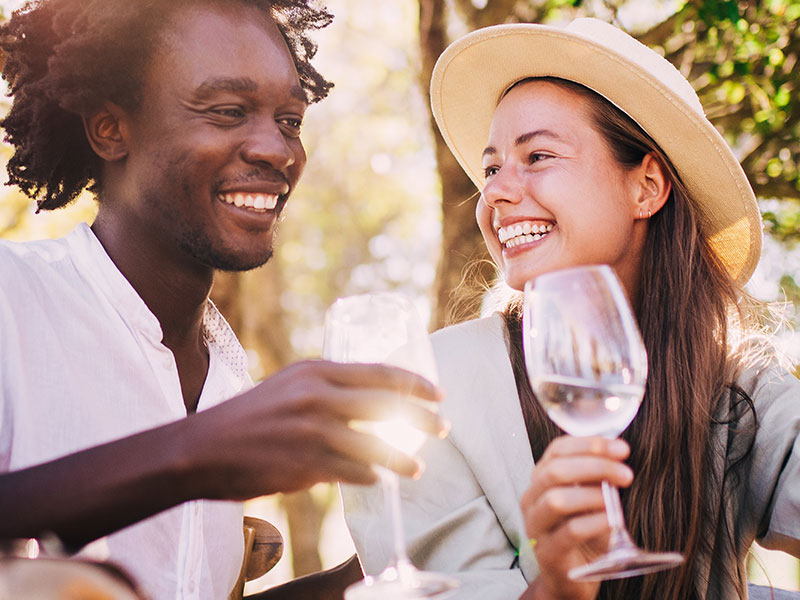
[(99, 270)]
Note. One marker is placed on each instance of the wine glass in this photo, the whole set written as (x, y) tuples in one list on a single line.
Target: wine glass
[(385, 328), (587, 366)]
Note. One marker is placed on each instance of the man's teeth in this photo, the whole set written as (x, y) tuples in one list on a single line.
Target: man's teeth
[(254, 201), (523, 233)]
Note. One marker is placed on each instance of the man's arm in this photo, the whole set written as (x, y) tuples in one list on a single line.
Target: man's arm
[(89, 494), (287, 433)]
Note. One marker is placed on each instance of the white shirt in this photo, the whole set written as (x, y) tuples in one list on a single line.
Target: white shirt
[(82, 363)]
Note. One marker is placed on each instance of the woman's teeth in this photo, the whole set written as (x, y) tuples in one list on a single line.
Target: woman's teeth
[(523, 233), (254, 201)]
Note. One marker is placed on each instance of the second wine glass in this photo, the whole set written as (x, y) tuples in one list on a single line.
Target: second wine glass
[(385, 328), (588, 366)]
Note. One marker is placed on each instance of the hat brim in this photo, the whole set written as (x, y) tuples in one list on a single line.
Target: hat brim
[(473, 72)]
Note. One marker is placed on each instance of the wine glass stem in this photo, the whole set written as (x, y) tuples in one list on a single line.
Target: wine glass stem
[(391, 494), (620, 538)]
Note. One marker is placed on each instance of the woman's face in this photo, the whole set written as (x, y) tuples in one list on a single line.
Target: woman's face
[(555, 197)]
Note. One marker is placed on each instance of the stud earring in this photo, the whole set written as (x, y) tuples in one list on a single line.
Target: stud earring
[(649, 214)]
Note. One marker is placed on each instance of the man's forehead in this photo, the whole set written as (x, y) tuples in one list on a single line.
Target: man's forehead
[(217, 49)]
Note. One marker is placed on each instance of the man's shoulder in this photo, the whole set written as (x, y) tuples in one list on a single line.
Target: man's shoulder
[(45, 251), (23, 263)]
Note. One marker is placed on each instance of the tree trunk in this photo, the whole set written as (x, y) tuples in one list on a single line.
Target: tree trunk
[(461, 240), (305, 523)]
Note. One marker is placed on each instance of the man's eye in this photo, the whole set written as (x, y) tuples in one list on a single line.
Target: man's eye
[(291, 125), (231, 112), (490, 171)]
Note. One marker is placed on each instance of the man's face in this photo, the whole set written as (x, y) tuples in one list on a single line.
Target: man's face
[(214, 149)]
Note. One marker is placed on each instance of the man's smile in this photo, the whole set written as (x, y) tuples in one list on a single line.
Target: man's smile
[(254, 201)]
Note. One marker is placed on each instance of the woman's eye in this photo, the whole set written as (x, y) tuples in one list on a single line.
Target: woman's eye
[(490, 171), (535, 157)]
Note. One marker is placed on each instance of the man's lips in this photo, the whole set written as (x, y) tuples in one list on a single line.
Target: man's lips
[(258, 201)]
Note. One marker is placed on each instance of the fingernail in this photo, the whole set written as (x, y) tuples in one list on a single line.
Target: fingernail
[(444, 429), (420, 468), (625, 472)]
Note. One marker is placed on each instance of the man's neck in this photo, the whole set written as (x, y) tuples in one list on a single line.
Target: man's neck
[(173, 287)]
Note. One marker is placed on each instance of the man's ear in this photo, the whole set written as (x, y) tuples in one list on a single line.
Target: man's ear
[(654, 187), (105, 129)]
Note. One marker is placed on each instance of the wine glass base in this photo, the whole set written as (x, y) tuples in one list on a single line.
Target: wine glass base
[(625, 562), (408, 585)]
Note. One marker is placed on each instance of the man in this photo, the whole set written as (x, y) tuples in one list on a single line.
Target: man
[(125, 413)]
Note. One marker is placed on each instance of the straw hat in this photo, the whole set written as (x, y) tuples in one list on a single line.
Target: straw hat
[(472, 74)]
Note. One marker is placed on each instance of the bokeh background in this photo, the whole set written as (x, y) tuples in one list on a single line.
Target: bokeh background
[(383, 205)]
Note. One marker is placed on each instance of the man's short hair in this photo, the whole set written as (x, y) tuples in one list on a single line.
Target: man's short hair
[(65, 58)]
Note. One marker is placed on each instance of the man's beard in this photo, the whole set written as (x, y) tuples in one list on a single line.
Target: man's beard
[(196, 244)]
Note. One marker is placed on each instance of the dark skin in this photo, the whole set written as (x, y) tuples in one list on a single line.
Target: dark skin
[(220, 118)]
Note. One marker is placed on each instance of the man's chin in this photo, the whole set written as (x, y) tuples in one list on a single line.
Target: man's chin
[(230, 260), (238, 264)]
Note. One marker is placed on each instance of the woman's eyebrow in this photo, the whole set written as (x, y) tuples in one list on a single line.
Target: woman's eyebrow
[(525, 137)]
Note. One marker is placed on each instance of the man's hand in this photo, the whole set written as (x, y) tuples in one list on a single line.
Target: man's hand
[(291, 431)]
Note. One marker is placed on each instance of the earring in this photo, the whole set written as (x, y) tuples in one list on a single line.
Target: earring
[(641, 215), (649, 214)]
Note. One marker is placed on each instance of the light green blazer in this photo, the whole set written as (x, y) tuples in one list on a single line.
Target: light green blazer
[(463, 517)]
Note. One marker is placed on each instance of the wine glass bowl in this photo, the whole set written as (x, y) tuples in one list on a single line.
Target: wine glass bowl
[(385, 328), (382, 328), (586, 362), (587, 366)]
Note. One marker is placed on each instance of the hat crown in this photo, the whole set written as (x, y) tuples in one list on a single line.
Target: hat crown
[(656, 66)]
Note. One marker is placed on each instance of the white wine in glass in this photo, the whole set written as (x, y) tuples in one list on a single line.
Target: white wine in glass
[(588, 366), (385, 328)]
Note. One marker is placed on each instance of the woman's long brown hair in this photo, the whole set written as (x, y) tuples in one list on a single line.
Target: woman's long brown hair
[(686, 305)]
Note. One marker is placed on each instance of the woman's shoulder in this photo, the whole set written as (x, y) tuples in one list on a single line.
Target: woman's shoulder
[(473, 353), (765, 367), (462, 336)]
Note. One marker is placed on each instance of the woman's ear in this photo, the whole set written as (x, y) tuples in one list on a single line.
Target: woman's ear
[(105, 130), (654, 187)]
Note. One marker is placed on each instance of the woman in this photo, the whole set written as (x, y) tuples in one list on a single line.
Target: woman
[(590, 148)]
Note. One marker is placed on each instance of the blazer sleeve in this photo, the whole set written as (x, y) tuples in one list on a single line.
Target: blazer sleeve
[(451, 522), (774, 475)]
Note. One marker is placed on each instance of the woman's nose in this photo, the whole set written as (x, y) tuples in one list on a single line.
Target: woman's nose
[(503, 187)]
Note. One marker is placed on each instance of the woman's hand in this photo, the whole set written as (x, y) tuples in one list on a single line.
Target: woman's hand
[(564, 510)]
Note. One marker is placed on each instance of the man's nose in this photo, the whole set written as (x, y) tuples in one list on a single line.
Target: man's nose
[(267, 145)]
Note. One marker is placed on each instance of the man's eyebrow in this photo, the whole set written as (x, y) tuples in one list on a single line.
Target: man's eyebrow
[(226, 84), (525, 137), (239, 85)]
